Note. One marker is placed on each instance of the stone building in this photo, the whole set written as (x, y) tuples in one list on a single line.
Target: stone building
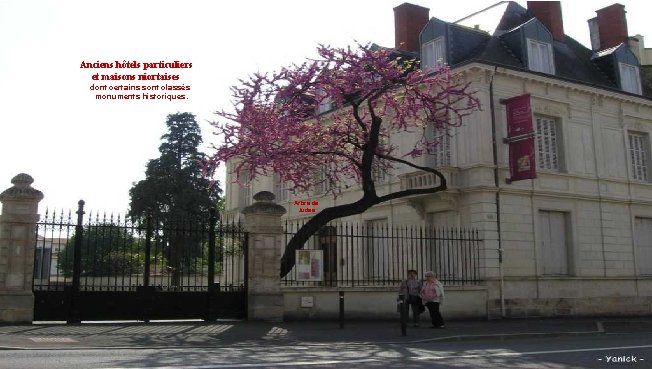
[(575, 240)]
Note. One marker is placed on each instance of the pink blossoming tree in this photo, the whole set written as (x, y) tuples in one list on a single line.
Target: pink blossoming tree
[(275, 127)]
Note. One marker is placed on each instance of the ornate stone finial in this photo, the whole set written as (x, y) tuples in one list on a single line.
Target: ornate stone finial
[(22, 180), (264, 203), (22, 189), (264, 196)]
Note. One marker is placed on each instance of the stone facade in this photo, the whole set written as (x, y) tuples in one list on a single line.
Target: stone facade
[(17, 240), (573, 241), (594, 189)]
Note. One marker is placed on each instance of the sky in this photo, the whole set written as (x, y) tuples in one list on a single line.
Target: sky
[(77, 147)]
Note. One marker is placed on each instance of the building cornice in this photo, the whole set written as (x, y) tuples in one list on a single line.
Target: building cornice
[(600, 92)]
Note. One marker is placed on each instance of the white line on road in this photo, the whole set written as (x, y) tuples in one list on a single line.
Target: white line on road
[(254, 365), (527, 353)]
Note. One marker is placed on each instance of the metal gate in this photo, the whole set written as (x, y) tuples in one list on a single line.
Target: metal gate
[(113, 268)]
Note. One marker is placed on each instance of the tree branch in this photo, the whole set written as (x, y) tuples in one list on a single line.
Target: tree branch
[(395, 195), (356, 115)]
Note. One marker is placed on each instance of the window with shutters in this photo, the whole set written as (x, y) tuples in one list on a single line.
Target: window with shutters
[(378, 250), (447, 262), (639, 155), (322, 182), (548, 140), (630, 78), (433, 54), (539, 56), (281, 191), (441, 154), (378, 171), (244, 195), (553, 241), (643, 242)]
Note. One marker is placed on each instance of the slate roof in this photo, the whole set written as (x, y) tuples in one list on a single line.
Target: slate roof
[(573, 61)]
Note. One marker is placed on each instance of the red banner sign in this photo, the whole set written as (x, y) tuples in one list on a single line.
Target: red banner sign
[(519, 115), (522, 164), (520, 136)]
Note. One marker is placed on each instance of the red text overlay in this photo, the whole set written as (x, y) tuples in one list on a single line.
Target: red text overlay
[(306, 206), (137, 80)]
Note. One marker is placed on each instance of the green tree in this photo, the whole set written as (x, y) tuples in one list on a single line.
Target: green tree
[(177, 192), (106, 250)]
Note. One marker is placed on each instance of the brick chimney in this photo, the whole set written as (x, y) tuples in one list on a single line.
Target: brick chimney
[(409, 20), (609, 28), (548, 13)]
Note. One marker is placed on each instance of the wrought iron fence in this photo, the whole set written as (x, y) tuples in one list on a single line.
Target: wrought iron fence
[(119, 253), (350, 255)]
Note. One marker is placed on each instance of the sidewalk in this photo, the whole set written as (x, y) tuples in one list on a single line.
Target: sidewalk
[(229, 333)]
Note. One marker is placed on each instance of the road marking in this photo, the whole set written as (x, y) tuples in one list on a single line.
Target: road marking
[(276, 333), (53, 339), (254, 365), (527, 353)]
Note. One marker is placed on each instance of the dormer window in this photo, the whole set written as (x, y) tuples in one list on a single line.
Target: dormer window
[(539, 56), (630, 78), (433, 54)]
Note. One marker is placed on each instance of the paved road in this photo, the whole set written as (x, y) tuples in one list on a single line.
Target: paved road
[(593, 351)]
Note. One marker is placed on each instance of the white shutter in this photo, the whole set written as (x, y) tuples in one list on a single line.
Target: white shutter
[(629, 78), (280, 189), (547, 143), (427, 55), (433, 54), (441, 155), (378, 173), (378, 249), (446, 261), (553, 241), (638, 153), (244, 190), (540, 58), (643, 242)]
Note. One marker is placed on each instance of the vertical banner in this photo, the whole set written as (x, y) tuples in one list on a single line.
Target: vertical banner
[(521, 160), (519, 116), (520, 136)]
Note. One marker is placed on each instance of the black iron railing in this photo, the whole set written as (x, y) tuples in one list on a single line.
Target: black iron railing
[(350, 255), (115, 253)]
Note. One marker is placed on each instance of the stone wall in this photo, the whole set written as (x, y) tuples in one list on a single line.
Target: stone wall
[(377, 303), (548, 297)]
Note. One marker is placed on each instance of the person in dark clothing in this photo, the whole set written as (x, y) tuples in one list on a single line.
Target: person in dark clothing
[(410, 289)]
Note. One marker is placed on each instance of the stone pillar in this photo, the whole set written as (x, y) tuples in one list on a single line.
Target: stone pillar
[(263, 222), (17, 242)]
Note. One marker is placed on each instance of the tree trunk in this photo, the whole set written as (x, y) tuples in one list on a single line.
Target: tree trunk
[(316, 223), (368, 200)]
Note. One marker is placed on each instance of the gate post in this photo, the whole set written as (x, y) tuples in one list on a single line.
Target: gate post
[(263, 222), (17, 243)]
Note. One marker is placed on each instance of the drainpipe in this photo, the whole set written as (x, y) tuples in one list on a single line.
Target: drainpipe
[(497, 184)]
